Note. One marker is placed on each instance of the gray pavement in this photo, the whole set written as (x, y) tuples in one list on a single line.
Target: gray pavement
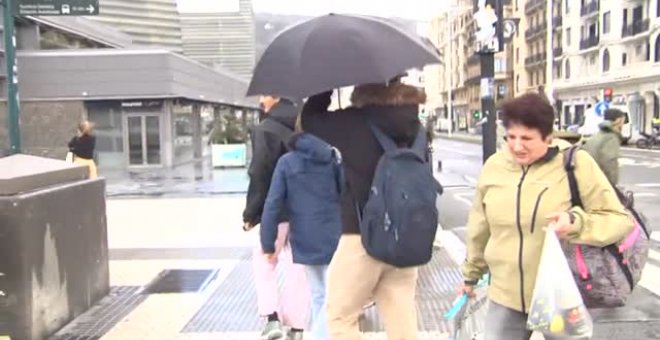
[(640, 319)]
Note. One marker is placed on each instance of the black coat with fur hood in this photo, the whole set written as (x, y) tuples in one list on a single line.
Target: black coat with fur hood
[(394, 109)]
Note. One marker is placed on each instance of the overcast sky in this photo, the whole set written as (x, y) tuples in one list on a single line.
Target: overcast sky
[(412, 9)]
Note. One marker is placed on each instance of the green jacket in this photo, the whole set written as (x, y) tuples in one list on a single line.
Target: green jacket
[(505, 227), (605, 147)]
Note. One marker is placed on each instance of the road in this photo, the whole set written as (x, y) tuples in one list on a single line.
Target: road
[(640, 319)]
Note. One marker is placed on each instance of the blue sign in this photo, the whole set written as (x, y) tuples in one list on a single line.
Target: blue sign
[(601, 107)]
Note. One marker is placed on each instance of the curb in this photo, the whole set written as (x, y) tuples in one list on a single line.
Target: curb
[(462, 138)]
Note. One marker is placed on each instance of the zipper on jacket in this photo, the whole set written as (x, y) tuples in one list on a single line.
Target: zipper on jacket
[(536, 208), (520, 234)]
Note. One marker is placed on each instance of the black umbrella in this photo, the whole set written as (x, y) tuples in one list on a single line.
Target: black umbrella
[(335, 50)]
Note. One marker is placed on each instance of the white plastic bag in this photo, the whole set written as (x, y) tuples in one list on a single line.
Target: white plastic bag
[(469, 315), (69, 157), (557, 308)]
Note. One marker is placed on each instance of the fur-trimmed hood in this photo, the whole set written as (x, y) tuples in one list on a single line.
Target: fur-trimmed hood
[(394, 94)]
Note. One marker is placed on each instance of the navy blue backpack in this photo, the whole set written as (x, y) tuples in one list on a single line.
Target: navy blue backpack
[(400, 219)]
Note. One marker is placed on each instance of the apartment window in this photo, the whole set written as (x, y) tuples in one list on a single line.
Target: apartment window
[(606, 22), (567, 69), (606, 61), (657, 47), (568, 6), (568, 37), (624, 59), (648, 51), (517, 83), (657, 9)]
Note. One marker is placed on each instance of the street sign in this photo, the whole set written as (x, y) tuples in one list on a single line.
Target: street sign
[(57, 7), (601, 107)]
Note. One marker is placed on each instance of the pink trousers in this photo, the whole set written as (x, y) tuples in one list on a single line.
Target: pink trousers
[(293, 304)]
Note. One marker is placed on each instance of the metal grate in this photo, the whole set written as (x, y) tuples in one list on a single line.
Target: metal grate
[(100, 319), (232, 307), (436, 291), (181, 281)]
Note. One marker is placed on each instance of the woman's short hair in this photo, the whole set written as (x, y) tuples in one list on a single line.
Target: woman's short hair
[(531, 110)]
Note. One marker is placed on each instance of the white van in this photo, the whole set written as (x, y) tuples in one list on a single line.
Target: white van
[(592, 120)]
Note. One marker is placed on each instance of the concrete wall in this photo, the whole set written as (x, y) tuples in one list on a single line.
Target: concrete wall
[(46, 127), (53, 243)]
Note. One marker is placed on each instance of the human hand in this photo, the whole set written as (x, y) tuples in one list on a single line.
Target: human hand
[(561, 223), (247, 226), (466, 289), (270, 258)]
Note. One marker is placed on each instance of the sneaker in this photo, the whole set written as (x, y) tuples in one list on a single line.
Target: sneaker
[(295, 336), (272, 331)]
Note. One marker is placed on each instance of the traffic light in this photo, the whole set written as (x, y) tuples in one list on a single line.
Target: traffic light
[(488, 21), (607, 95)]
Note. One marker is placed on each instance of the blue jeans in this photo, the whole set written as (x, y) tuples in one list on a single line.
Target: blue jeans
[(317, 276)]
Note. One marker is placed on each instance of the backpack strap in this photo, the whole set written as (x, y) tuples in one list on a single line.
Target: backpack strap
[(419, 147), (384, 140), (569, 165)]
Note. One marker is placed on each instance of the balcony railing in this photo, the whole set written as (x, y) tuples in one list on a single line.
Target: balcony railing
[(533, 4), (589, 42), (535, 59), (474, 80), (530, 33), (635, 28), (590, 8), (557, 52)]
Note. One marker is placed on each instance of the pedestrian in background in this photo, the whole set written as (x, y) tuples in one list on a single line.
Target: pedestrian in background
[(522, 190), (307, 182), (605, 145), (269, 140), (354, 276), (82, 147)]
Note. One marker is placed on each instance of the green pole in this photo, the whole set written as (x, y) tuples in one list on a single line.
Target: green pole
[(13, 106)]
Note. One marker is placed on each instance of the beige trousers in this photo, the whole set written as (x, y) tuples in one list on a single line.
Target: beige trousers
[(93, 173), (354, 278)]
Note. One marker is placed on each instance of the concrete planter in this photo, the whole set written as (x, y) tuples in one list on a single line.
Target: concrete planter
[(228, 155)]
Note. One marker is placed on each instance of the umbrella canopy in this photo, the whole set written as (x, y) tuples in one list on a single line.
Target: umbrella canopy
[(334, 51)]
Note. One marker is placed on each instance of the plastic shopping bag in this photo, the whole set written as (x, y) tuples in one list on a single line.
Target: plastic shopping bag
[(69, 157), (469, 315), (557, 308)]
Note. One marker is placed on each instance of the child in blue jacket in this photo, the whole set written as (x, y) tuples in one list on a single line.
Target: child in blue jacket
[(307, 183)]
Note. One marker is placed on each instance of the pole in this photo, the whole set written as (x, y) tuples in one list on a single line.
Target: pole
[(550, 54), (489, 145), (448, 56), (13, 106)]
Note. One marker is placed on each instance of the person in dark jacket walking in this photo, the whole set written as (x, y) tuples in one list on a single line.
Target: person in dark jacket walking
[(269, 143), (605, 145), (82, 147), (307, 181), (353, 276)]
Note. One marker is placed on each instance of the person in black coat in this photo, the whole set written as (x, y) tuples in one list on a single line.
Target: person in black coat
[(354, 276), (269, 143)]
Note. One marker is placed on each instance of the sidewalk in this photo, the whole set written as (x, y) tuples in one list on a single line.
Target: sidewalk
[(200, 241), (195, 178)]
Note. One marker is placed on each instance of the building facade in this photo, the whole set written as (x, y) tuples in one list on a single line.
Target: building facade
[(222, 38), (597, 44), (148, 22), (453, 34)]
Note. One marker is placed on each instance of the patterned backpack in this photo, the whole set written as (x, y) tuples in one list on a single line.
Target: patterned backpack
[(606, 276)]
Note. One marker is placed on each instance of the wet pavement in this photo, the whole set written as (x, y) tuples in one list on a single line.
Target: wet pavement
[(196, 178)]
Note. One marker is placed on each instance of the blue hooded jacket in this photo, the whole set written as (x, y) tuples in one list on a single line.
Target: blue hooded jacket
[(307, 182)]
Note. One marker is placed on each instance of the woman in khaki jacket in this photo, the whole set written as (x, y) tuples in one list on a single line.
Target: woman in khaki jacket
[(523, 189)]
